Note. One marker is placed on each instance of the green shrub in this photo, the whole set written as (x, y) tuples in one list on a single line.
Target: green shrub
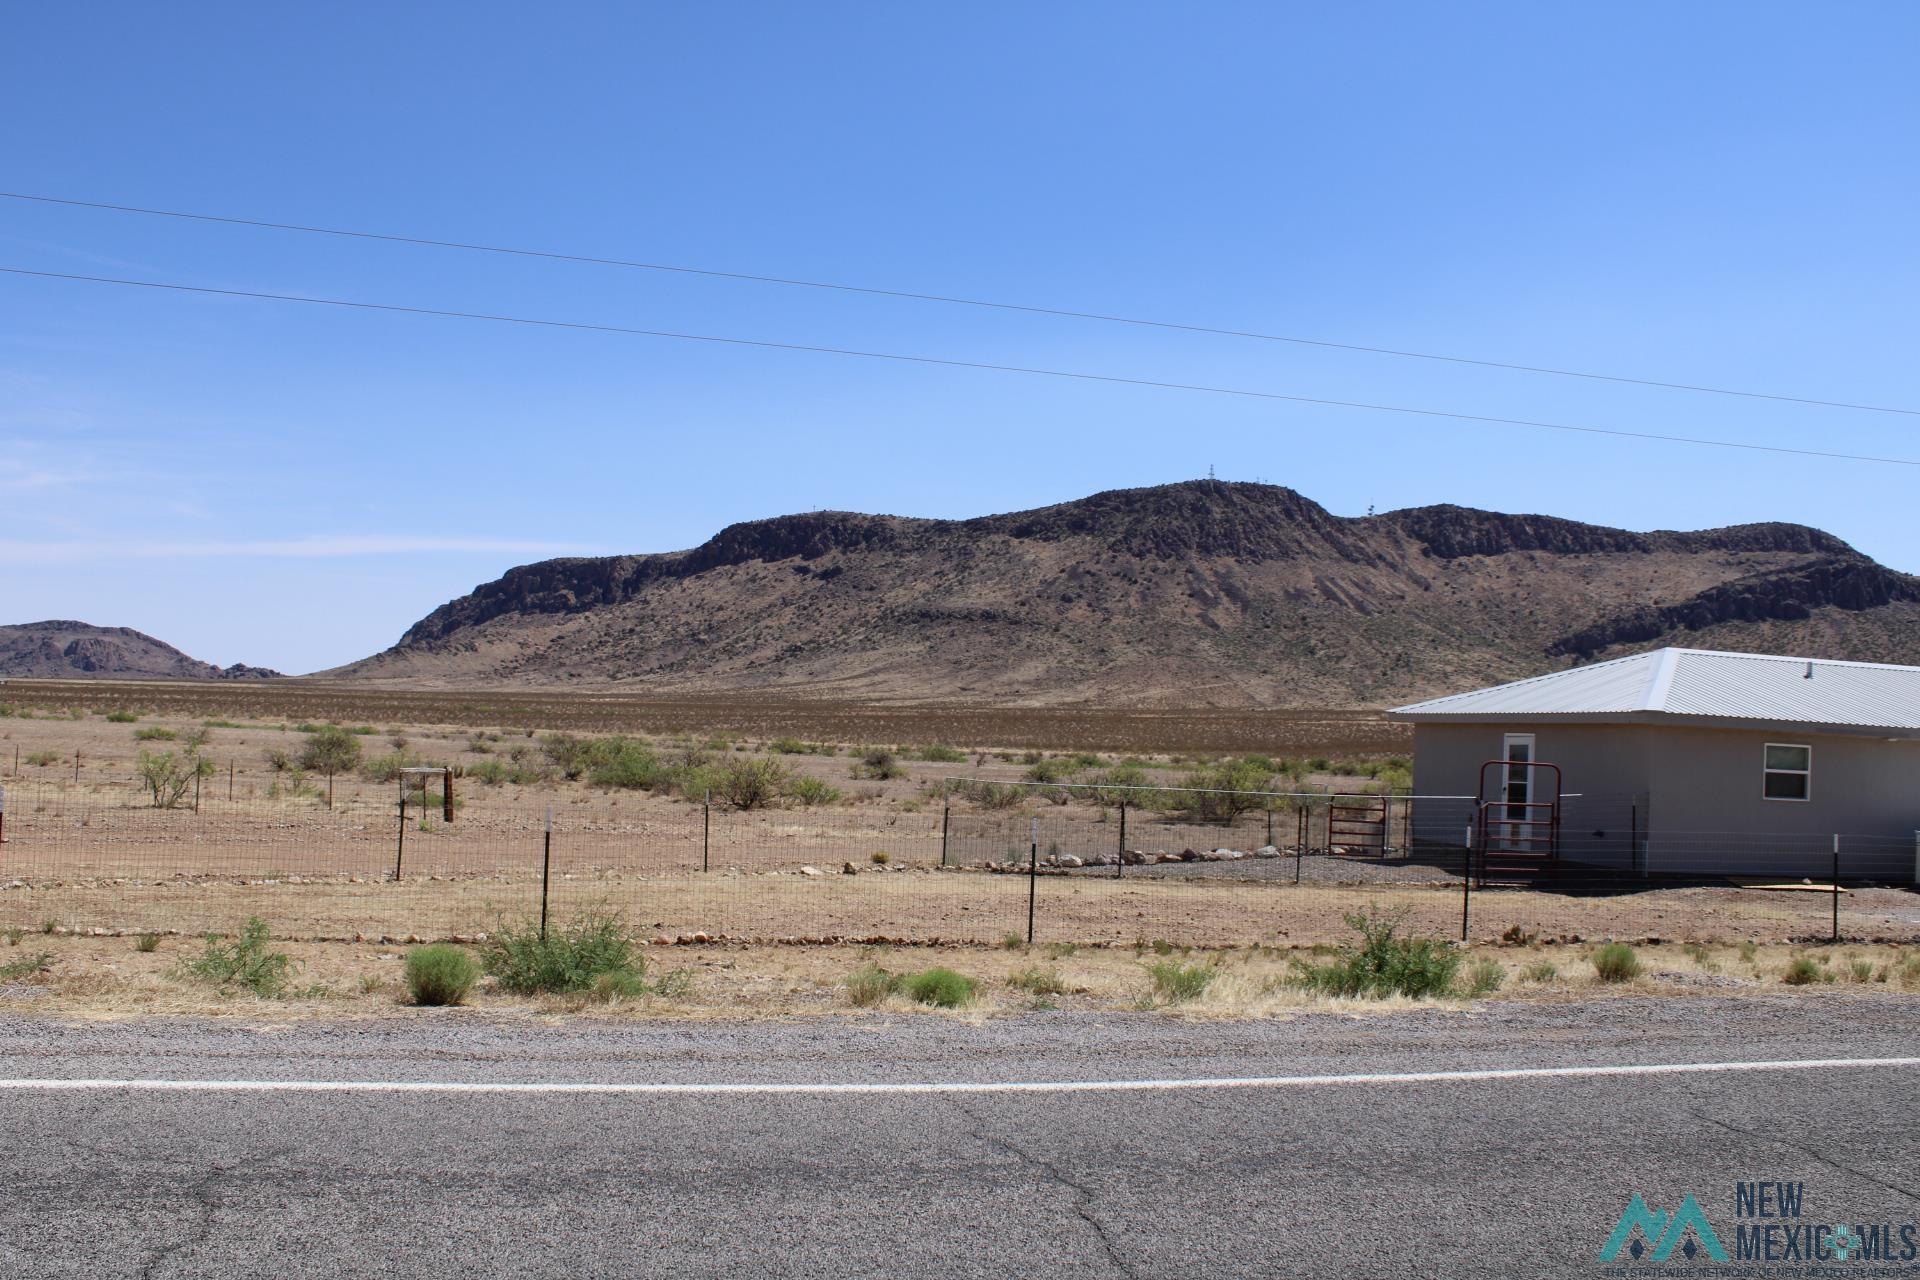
[(441, 974), (329, 750), (1039, 982), (940, 987), (387, 768), (1616, 962), (246, 962), (121, 717), (1543, 971), (621, 984), (154, 733), (748, 783), (41, 759), (995, 795), (1804, 971), (572, 756), (1860, 970), (26, 966), (1383, 963), (870, 984), (168, 774), (1013, 941), (1484, 977), (1225, 789), (1747, 951), (939, 753), (569, 960), (1051, 770), (147, 942), (1178, 981), (880, 857), (812, 791), (490, 772)]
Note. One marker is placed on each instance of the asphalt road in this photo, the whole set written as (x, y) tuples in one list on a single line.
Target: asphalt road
[(1455, 1178)]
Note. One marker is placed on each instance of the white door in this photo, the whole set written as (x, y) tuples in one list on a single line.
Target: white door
[(1517, 791)]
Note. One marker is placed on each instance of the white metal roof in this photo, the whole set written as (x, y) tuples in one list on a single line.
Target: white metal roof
[(1700, 684)]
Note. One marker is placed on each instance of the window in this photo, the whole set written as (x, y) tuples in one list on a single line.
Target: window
[(1789, 772)]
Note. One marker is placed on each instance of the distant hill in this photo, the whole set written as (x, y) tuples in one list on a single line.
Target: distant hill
[(64, 650), (1197, 594)]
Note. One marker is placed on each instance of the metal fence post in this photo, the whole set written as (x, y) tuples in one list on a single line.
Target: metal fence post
[(1033, 875), (1120, 854), (706, 829), (1269, 823), (1836, 888), (1300, 845), (946, 821), (1466, 882), (546, 872), (400, 848)]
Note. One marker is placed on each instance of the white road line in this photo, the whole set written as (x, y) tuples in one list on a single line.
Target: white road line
[(1016, 1086)]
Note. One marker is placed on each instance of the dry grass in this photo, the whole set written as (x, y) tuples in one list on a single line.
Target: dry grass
[(104, 978)]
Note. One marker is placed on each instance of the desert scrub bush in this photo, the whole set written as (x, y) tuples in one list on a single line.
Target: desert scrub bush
[(41, 759), (1860, 970), (1052, 769), (747, 783), (168, 774), (880, 857), (940, 987), (1039, 982), (1013, 942), (387, 767), (1541, 971), (26, 966), (1484, 977), (940, 753), (490, 772), (870, 984), (1616, 962), (1222, 791), (809, 792), (246, 962), (570, 959), (328, 750), (1178, 981), (147, 942), (154, 733), (878, 765), (441, 974), (1383, 963), (121, 717), (628, 764), (573, 756), (1804, 971), (994, 795)]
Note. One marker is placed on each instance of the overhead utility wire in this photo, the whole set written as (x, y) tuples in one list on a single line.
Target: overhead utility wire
[(1062, 312), (946, 362)]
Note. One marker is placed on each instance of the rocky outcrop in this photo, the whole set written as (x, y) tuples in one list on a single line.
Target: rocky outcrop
[(63, 648), (1853, 584)]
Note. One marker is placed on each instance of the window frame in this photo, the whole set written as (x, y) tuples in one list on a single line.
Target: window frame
[(1767, 771)]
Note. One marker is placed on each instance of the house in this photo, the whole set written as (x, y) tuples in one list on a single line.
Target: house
[(1683, 761)]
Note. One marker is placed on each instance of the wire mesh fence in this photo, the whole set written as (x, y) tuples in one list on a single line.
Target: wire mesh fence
[(1281, 870)]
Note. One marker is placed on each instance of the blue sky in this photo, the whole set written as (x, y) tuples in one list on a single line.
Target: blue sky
[(1705, 193)]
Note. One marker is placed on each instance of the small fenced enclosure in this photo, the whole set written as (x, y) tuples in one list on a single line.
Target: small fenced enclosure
[(1277, 869)]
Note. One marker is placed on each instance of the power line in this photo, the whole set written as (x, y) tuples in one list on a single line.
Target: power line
[(951, 300), (947, 362)]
